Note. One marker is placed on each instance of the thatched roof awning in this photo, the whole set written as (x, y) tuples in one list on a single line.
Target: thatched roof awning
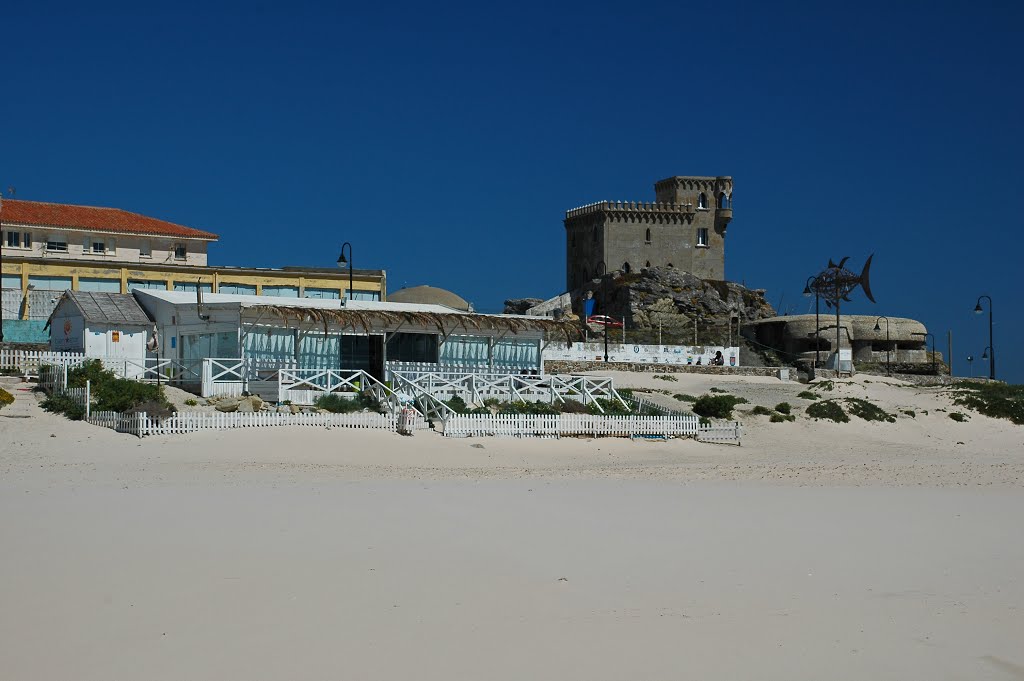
[(444, 322)]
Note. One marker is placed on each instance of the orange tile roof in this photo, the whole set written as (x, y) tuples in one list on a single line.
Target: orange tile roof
[(93, 218)]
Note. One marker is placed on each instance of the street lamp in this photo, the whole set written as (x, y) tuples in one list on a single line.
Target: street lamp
[(342, 262), (888, 370), (926, 334), (970, 363), (991, 346), (808, 290)]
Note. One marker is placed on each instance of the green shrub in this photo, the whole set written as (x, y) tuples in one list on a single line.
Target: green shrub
[(108, 392), (5, 398), (715, 406), (666, 377), (529, 408), (190, 402), (868, 411), (335, 403), (761, 411), (828, 409), (910, 412), (824, 385), (958, 416), (685, 398), (782, 418), (62, 404), (998, 400), (783, 407), (808, 395), (572, 407), (458, 405), (611, 407)]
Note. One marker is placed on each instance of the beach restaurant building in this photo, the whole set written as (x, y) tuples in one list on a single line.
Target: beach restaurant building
[(350, 334)]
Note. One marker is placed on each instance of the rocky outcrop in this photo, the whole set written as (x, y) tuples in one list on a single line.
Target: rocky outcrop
[(520, 305), (673, 299), (245, 405)]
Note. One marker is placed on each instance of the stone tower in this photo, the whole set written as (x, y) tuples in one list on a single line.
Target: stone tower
[(684, 227)]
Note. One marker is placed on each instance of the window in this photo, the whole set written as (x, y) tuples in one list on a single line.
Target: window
[(57, 244), (281, 291), (192, 285), (154, 284), (13, 240), (237, 289), (27, 240), (702, 201), (99, 247), (647, 236), (107, 285), (145, 250), (626, 268), (42, 283), (363, 295), (323, 293), (724, 201), (648, 264), (702, 236), (179, 251)]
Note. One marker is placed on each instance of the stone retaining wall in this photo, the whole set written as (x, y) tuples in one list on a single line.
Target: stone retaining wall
[(567, 367)]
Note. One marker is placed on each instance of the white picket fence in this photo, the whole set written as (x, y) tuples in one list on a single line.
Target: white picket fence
[(190, 422), (29, 361), (555, 425), (728, 433)]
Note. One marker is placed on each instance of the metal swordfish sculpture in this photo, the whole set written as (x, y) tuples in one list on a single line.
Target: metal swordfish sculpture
[(835, 283)]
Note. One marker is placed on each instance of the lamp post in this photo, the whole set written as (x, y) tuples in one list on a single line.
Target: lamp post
[(808, 290), (342, 262), (888, 370), (991, 347), (985, 355), (970, 363), (926, 334)]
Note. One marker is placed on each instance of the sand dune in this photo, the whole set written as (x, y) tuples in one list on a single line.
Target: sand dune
[(815, 550)]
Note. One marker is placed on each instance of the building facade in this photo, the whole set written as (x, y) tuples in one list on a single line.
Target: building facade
[(684, 227), (49, 248)]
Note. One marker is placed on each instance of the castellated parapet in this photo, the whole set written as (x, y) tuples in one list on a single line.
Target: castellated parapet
[(683, 228)]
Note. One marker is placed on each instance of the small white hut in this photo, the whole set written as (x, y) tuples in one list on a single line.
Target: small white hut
[(108, 325)]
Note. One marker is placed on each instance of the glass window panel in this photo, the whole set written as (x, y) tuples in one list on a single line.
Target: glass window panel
[(281, 291), (270, 345), (191, 286), (364, 295), (412, 347), (13, 239), (324, 293), (317, 351), (49, 283), (11, 281), (104, 285), (147, 284), (468, 351), (238, 289)]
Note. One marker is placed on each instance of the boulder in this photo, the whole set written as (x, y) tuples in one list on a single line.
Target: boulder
[(227, 404), (245, 406)]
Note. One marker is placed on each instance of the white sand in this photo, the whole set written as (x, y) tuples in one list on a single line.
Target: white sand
[(814, 551)]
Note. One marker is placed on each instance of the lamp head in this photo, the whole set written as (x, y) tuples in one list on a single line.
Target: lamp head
[(970, 358), (877, 327), (977, 308), (341, 260), (984, 355)]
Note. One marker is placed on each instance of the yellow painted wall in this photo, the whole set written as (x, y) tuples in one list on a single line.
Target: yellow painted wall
[(188, 275)]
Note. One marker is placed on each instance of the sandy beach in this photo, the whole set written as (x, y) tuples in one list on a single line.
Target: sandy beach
[(815, 550)]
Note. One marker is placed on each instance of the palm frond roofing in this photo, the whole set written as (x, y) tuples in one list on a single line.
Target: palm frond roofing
[(444, 321)]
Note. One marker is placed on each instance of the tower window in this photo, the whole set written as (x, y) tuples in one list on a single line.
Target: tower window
[(626, 268), (648, 264), (702, 201), (702, 236), (724, 200), (647, 236)]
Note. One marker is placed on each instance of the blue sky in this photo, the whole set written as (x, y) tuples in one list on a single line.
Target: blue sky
[(446, 141)]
